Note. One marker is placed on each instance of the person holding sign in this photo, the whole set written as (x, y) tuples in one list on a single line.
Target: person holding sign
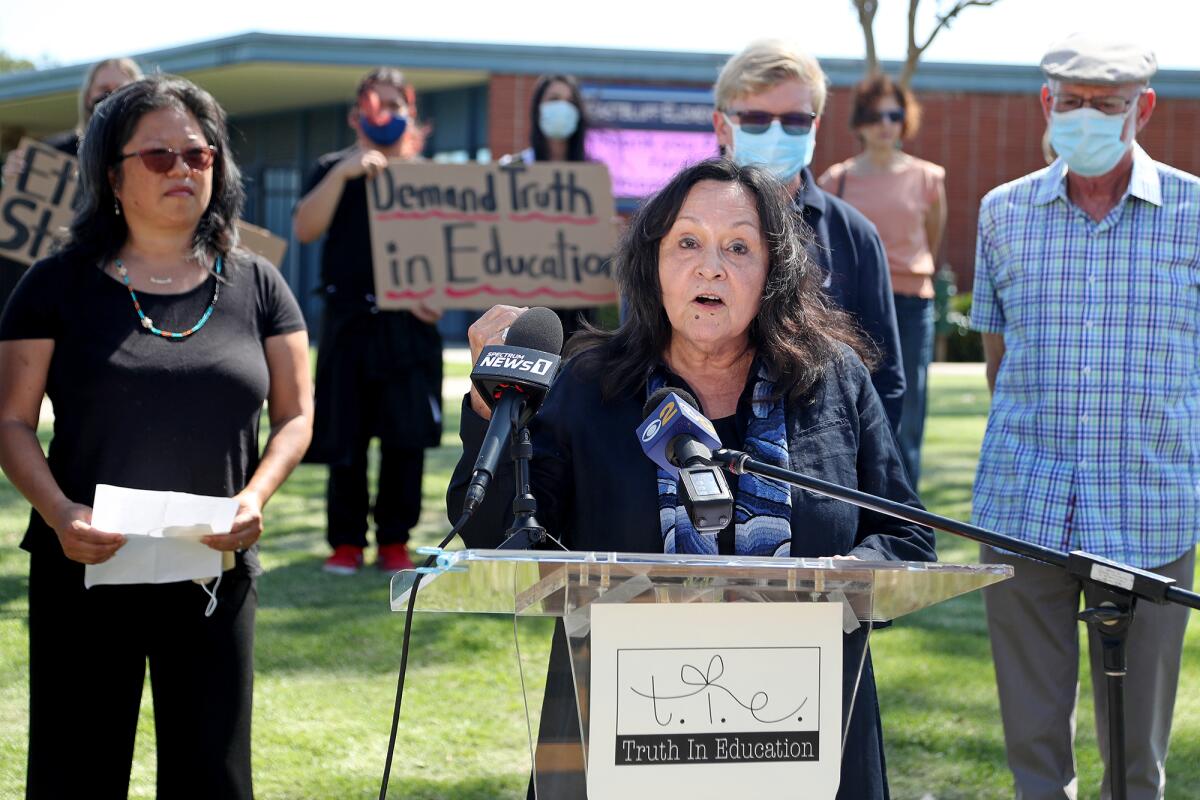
[(157, 339), (379, 373), (557, 131), (769, 100), (101, 80), (725, 302)]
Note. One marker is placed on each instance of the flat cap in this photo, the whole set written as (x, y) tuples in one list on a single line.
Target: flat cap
[(1086, 58)]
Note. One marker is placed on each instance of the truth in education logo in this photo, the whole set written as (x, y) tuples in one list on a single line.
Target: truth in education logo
[(717, 706)]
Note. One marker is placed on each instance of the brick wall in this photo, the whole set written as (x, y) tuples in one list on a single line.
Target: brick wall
[(983, 140), (508, 113)]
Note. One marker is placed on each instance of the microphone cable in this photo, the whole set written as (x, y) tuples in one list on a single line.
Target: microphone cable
[(408, 617)]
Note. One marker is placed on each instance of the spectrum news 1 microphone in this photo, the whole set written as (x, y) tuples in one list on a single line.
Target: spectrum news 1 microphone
[(680, 439), (513, 379)]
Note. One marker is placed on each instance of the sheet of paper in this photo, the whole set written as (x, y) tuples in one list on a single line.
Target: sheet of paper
[(162, 535)]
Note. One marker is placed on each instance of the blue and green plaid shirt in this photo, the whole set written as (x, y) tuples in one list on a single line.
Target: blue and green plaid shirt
[(1093, 440)]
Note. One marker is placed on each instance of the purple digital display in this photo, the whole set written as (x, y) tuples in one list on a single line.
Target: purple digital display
[(642, 161)]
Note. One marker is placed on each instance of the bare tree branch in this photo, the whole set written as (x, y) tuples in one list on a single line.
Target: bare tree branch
[(915, 51), (866, 18)]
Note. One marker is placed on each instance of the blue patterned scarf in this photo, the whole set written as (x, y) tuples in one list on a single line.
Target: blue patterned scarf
[(762, 509)]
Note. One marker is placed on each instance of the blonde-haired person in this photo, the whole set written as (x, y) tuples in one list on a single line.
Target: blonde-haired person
[(101, 79), (769, 101), (906, 199)]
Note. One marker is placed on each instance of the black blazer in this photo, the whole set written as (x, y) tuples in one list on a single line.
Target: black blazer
[(848, 248), (597, 491)]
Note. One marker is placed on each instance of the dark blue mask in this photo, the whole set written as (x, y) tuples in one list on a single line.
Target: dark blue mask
[(383, 135)]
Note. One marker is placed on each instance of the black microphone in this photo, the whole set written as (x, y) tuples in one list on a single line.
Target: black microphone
[(513, 379), (680, 439)]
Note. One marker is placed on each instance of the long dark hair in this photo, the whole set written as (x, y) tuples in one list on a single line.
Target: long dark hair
[(98, 232), (797, 331), (537, 139)]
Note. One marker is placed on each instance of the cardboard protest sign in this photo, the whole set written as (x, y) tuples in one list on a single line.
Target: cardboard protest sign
[(262, 242), (35, 207), (474, 235)]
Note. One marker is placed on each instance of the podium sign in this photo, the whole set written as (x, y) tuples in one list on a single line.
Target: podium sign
[(676, 675), (731, 700)]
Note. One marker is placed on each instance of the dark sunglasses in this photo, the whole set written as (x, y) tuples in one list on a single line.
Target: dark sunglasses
[(162, 159), (895, 115), (795, 123)]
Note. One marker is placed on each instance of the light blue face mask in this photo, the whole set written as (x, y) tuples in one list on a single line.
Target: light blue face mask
[(558, 119), (783, 154), (1088, 139)]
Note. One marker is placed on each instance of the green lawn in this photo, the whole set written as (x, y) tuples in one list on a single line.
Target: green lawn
[(328, 648)]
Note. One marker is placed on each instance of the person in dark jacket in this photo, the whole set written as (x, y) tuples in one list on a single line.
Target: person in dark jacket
[(769, 100), (725, 302), (379, 373)]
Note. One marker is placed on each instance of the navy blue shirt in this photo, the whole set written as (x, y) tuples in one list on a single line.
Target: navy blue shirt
[(848, 248)]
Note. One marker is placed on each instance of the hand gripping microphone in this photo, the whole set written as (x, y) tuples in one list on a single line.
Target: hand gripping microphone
[(513, 379), (680, 439)]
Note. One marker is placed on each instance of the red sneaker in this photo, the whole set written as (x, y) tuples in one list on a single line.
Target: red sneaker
[(393, 558), (346, 560)]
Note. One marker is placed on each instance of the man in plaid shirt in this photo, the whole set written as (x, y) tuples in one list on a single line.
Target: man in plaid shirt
[(1087, 292)]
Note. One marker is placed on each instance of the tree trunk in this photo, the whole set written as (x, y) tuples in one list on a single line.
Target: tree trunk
[(866, 19)]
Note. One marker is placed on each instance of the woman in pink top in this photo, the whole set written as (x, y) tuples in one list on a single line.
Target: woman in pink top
[(906, 199)]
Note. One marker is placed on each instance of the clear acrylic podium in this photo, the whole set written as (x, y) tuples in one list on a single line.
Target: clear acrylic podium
[(527, 585)]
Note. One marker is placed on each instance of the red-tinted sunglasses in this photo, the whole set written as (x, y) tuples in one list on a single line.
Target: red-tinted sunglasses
[(162, 159)]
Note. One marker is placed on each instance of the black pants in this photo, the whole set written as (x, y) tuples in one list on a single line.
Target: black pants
[(88, 650), (397, 497)]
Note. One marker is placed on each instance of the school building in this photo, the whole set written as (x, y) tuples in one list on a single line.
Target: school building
[(288, 96)]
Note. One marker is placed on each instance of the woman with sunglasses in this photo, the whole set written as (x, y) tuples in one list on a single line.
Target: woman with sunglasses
[(906, 199), (157, 339)]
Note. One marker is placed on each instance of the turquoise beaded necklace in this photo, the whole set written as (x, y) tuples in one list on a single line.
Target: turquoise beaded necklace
[(148, 323)]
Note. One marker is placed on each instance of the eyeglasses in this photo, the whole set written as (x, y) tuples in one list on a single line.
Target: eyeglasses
[(162, 159), (795, 123), (1111, 104), (895, 115)]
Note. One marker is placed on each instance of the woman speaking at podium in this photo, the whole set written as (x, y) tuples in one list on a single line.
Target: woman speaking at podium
[(724, 302)]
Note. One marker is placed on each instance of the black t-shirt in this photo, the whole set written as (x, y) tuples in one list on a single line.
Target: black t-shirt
[(134, 409), (346, 257)]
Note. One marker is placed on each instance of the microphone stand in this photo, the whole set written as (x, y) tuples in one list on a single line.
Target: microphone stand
[(1120, 586), (525, 533)]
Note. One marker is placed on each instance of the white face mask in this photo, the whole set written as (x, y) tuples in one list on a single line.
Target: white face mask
[(1089, 140), (558, 119)]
